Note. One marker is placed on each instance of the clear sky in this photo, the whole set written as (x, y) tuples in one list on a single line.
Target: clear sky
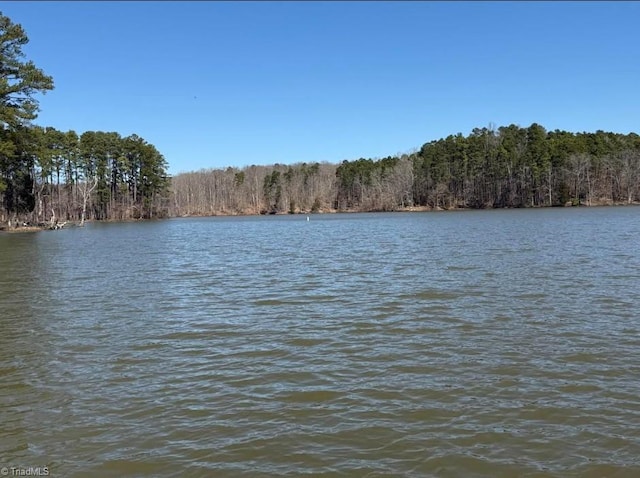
[(216, 84)]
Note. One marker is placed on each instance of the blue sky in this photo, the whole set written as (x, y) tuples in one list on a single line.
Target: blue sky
[(216, 84)]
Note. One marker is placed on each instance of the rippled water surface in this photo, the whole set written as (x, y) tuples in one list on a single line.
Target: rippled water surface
[(455, 344)]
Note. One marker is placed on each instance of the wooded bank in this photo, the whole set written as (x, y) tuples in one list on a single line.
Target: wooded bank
[(102, 176), (508, 166), (48, 177)]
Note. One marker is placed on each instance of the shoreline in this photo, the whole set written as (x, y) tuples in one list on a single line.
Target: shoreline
[(21, 229), (402, 210), (28, 229), (24, 229)]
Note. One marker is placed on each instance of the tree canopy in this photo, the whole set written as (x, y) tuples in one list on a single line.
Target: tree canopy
[(47, 174), (20, 80)]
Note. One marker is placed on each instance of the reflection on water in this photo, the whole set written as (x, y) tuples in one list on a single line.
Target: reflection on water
[(486, 343)]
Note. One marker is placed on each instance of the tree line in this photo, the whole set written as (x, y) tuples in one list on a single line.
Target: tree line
[(517, 167), (47, 176), (509, 166), (253, 190)]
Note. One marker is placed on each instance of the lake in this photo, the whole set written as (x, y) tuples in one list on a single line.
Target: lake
[(494, 343)]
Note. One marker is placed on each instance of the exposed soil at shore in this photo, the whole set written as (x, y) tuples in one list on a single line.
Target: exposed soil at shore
[(21, 229)]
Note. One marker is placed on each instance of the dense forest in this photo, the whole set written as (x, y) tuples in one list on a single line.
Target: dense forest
[(510, 166), (49, 177)]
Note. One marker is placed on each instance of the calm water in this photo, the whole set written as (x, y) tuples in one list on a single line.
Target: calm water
[(455, 344)]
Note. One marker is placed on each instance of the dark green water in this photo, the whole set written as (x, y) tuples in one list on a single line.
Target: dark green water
[(457, 344)]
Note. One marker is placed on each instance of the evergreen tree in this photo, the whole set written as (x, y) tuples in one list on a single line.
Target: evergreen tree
[(20, 80)]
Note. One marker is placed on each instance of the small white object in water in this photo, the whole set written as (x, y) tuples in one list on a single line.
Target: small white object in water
[(307, 218)]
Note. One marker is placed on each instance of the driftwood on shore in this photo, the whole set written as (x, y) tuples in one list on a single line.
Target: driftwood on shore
[(29, 227)]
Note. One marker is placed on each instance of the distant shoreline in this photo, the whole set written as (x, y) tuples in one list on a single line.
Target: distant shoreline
[(405, 210), (26, 229)]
